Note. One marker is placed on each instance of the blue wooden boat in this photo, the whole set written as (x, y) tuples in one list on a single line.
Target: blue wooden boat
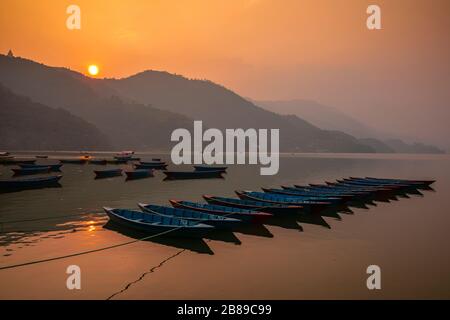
[(358, 195), (241, 214), (339, 190), (345, 184), (218, 221), (252, 205), (140, 173), (29, 171), (372, 184), (154, 166), (11, 160), (74, 161), (349, 188), (333, 199), (421, 182), (397, 188), (154, 223), (108, 173), (403, 183), (312, 192), (310, 206), (209, 168), (98, 161), (175, 175), (325, 189), (374, 188), (29, 183), (376, 191), (283, 198), (53, 167), (117, 161), (127, 158), (153, 162)]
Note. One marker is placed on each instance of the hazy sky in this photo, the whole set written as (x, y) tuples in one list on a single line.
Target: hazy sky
[(396, 79)]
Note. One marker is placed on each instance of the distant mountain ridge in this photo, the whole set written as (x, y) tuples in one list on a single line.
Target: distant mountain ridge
[(401, 147), (126, 124), (327, 117), (141, 111), (221, 108), (25, 124)]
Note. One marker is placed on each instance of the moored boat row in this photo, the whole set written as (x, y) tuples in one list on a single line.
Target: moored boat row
[(189, 218)]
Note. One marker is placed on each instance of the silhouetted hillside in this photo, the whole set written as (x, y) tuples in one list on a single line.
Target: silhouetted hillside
[(221, 108), (28, 125), (322, 116), (138, 125), (330, 118), (377, 145), (127, 125), (401, 147)]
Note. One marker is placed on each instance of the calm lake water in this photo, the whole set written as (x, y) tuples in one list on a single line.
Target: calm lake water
[(286, 258)]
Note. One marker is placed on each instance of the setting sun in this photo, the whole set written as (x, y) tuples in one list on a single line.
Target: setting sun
[(93, 70)]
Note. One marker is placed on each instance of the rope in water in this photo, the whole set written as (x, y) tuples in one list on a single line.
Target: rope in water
[(88, 251), (50, 218), (2, 223), (91, 251)]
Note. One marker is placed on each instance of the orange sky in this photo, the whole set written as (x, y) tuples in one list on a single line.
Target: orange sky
[(263, 49)]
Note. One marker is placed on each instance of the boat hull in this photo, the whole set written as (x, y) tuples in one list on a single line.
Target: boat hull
[(198, 231), (210, 168), (311, 207), (99, 174), (29, 183), (14, 161), (179, 175), (53, 167), (30, 171), (73, 161), (254, 205), (336, 200), (139, 174), (117, 161), (98, 161), (156, 166), (211, 219), (254, 216)]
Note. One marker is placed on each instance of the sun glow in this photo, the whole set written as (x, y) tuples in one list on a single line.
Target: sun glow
[(93, 70)]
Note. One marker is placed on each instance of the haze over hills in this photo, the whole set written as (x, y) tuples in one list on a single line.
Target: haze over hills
[(328, 117), (416, 147), (221, 108), (29, 125), (141, 111), (320, 115)]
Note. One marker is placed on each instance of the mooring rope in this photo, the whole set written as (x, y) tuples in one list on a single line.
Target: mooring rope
[(88, 251)]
